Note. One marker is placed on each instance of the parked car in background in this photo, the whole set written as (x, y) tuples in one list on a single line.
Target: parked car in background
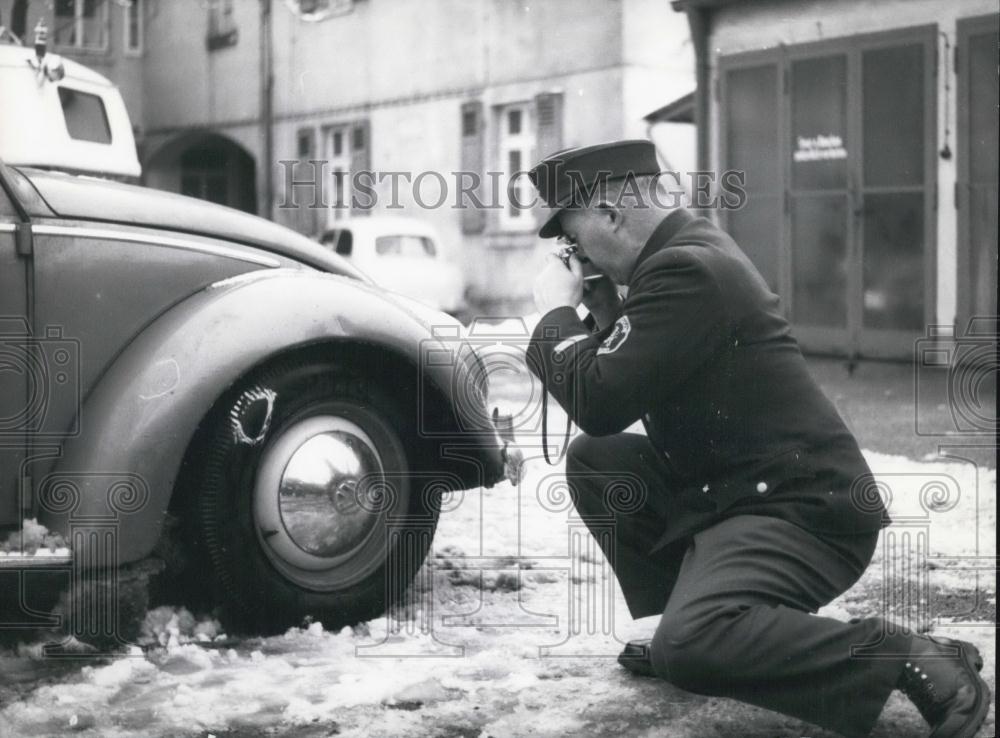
[(166, 359), (403, 255)]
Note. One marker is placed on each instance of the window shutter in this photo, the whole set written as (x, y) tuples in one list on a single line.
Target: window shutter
[(359, 139), (19, 20), (473, 218), (305, 150), (549, 114)]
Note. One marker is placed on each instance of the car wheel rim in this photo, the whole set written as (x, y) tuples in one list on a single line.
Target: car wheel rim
[(321, 499)]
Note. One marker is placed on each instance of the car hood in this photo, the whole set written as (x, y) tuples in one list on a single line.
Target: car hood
[(91, 198)]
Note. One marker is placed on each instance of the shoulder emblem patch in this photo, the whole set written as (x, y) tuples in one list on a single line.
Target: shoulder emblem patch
[(618, 335)]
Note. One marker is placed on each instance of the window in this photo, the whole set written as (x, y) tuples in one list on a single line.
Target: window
[(470, 123), (221, 25), (19, 19), (304, 148), (340, 240), (516, 150), (86, 119), (133, 28), (514, 121), (81, 24), (978, 41), (413, 247), (473, 148)]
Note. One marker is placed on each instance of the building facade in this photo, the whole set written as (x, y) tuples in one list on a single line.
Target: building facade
[(252, 103), (868, 132)]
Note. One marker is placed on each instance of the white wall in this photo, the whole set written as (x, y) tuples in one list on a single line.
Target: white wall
[(188, 85), (676, 144), (659, 61), (386, 50)]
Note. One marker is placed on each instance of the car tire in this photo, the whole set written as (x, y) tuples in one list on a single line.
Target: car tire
[(307, 506)]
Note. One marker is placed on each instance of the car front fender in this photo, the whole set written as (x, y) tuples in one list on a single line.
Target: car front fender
[(138, 421)]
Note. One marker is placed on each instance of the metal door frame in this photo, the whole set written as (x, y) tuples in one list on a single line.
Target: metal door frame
[(855, 340), (823, 339), (745, 60), (966, 28), (897, 343)]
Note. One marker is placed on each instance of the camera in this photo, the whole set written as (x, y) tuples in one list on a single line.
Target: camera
[(589, 272), (567, 251), (50, 367), (959, 372)]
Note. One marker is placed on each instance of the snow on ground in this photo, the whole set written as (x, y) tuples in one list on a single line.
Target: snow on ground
[(512, 631), (33, 539)]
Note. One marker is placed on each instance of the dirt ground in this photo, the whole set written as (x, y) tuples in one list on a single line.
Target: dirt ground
[(920, 413)]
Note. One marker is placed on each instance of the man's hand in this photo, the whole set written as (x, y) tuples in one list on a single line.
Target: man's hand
[(600, 297), (558, 286)]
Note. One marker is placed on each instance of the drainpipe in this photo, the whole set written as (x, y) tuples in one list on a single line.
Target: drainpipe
[(699, 25), (267, 108)]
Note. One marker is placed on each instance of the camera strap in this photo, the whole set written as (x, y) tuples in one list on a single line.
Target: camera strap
[(545, 431)]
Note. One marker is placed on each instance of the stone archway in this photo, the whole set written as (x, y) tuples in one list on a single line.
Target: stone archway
[(205, 165)]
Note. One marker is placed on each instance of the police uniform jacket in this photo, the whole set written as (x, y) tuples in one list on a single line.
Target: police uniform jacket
[(702, 355)]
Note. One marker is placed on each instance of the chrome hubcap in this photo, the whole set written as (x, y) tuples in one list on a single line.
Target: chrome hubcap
[(319, 503), (318, 494)]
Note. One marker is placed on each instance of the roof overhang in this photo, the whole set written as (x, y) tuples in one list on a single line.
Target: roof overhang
[(683, 5), (680, 110)]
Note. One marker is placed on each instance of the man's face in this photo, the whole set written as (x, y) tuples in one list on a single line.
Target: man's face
[(594, 231)]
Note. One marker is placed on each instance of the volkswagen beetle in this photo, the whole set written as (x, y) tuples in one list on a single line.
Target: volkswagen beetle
[(166, 359)]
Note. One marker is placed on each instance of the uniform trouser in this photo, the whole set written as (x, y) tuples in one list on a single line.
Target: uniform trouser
[(737, 599)]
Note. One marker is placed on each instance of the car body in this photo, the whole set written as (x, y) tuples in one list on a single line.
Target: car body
[(173, 367), (402, 254)]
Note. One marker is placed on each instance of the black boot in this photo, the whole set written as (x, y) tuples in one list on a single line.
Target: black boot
[(941, 678), (636, 658)]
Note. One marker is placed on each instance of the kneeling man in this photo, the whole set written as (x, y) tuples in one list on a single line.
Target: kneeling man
[(758, 506)]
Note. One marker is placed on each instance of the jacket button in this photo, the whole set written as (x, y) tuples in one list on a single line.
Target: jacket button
[(762, 487), (705, 488)]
